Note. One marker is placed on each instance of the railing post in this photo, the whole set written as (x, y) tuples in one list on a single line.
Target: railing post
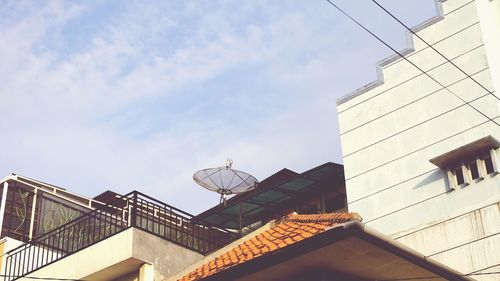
[(33, 210), (133, 212), (7, 267)]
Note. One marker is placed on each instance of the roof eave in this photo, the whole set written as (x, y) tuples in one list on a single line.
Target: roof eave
[(332, 235)]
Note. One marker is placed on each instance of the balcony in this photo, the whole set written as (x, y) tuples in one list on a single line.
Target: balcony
[(134, 210)]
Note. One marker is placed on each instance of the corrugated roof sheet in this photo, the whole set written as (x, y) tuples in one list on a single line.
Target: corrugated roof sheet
[(273, 195)]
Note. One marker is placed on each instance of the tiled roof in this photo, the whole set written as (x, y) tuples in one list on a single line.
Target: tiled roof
[(289, 230)]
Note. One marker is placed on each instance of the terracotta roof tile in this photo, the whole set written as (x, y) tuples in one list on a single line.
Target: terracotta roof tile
[(288, 230)]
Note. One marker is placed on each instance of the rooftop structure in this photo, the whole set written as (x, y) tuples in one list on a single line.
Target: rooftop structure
[(137, 237), (30, 207), (334, 246), (318, 190), (92, 225)]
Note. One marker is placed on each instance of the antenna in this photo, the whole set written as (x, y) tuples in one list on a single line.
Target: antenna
[(225, 180)]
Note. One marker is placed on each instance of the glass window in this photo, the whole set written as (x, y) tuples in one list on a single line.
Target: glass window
[(17, 214)]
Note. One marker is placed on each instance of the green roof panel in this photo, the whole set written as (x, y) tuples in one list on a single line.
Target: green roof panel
[(297, 184), (268, 196), (215, 219), (321, 172), (283, 186), (235, 209)]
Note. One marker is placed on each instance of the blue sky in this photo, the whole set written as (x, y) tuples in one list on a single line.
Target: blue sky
[(125, 95)]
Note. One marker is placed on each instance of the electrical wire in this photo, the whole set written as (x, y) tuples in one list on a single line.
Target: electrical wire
[(439, 277), (41, 278), (405, 58), (432, 47), (395, 279)]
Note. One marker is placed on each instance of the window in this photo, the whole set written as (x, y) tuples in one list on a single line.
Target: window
[(474, 171), (470, 163)]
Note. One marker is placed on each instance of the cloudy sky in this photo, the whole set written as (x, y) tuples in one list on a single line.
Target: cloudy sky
[(125, 95)]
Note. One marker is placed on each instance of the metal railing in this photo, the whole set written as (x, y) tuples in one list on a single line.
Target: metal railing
[(132, 210), (175, 225)]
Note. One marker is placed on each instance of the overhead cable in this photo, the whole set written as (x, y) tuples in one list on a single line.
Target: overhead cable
[(395, 279), (40, 278), (405, 58), (440, 277), (433, 48)]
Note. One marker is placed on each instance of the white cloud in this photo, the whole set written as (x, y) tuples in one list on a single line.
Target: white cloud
[(163, 89)]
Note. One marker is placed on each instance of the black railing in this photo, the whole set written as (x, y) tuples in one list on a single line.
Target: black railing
[(175, 225), (132, 210)]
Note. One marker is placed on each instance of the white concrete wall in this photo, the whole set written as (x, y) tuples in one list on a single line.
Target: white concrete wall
[(166, 257), (472, 241), (7, 244), (390, 130)]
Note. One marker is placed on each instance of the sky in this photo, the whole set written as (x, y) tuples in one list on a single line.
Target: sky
[(139, 95)]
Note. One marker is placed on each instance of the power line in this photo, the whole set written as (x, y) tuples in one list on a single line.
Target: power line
[(403, 57), (426, 95), (41, 278), (432, 47), (409, 128), (439, 277), (395, 279)]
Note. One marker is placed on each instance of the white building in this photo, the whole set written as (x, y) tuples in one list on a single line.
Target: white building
[(420, 164)]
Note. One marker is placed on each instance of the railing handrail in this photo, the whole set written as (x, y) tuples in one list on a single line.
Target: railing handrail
[(206, 224), (61, 243), (118, 199), (57, 229), (160, 202)]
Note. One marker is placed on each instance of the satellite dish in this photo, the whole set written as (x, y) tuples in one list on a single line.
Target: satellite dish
[(225, 180)]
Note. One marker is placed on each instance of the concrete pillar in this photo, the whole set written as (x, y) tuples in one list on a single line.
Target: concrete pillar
[(4, 199), (146, 272), (489, 13)]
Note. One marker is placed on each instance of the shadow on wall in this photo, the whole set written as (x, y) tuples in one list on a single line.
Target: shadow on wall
[(436, 175)]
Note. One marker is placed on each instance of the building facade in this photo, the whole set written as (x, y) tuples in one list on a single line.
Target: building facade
[(420, 163)]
